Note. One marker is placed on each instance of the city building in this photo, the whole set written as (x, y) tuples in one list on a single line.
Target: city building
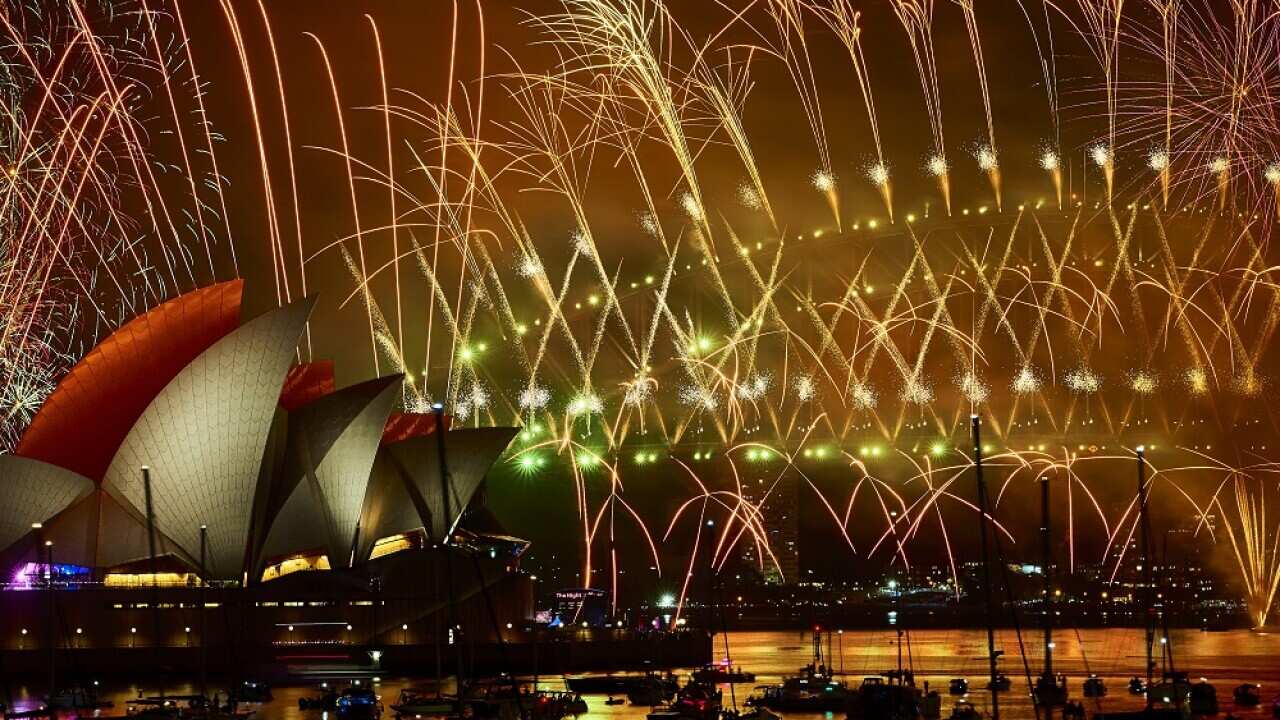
[(779, 501)]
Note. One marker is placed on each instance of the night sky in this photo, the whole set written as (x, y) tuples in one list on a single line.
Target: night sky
[(494, 41)]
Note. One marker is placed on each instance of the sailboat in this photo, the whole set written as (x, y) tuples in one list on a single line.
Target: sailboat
[(701, 698), (1050, 690), (73, 697), (1174, 696), (1174, 688), (814, 689), (893, 695), (166, 707), (962, 709)]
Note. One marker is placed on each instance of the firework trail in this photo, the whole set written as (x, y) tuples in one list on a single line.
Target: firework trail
[(916, 17), (844, 21)]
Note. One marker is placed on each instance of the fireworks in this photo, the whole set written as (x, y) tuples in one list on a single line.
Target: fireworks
[(973, 388), (878, 174), (823, 181), (691, 207), (864, 396), (1026, 381), (642, 116), (749, 198), (1143, 382), (585, 404), (534, 397), (699, 397), (805, 387), (755, 387), (986, 157), (1247, 383), (528, 267), (1254, 542), (1196, 381), (1084, 381), (917, 392), (639, 391), (1101, 155), (472, 400), (95, 228)]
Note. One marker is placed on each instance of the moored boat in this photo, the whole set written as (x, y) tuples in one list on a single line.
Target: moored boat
[(359, 703), (722, 673), (252, 691), (814, 689), (418, 702), (964, 710), (1051, 691), (811, 691), (651, 690), (620, 684), (1247, 694), (77, 698), (876, 699), (1000, 683), (1094, 686), (756, 712)]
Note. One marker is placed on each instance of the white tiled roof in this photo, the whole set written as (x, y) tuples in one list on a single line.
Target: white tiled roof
[(203, 437)]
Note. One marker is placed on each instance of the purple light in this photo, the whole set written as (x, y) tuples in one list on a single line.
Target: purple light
[(29, 576)]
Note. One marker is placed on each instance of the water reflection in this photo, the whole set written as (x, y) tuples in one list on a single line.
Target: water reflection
[(1227, 659)]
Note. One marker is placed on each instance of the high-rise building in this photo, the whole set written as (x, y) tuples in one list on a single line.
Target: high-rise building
[(778, 498)]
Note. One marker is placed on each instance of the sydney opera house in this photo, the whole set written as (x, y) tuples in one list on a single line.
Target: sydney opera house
[(290, 518)]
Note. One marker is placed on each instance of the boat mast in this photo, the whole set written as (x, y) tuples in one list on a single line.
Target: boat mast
[(897, 619), (993, 656), (728, 657), (1166, 647), (1046, 550), (51, 622), (716, 597), (151, 553), (204, 623), (1145, 559), (447, 525)]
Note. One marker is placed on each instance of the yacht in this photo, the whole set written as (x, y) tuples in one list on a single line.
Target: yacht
[(722, 673), (1176, 689), (877, 699), (814, 689)]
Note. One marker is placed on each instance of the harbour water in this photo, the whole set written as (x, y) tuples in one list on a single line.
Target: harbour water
[(1226, 659)]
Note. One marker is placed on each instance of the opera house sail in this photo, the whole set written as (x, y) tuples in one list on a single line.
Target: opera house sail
[(311, 506)]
